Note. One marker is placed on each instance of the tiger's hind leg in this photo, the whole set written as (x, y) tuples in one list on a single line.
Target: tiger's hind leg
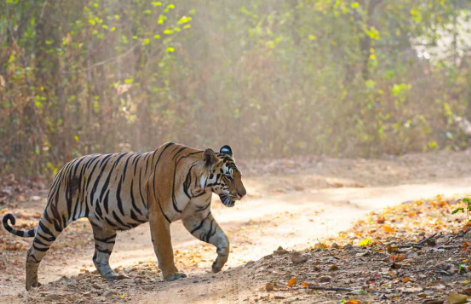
[(47, 232), (104, 242)]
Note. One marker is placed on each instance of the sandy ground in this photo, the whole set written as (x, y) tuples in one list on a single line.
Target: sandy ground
[(291, 203)]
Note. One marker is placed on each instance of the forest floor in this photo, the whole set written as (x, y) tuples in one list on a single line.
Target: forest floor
[(350, 223)]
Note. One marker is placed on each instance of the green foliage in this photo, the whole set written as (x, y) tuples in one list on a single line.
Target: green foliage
[(467, 201), (274, 78)]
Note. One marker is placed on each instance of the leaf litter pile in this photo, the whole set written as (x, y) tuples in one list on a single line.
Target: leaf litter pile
[(416, 252)]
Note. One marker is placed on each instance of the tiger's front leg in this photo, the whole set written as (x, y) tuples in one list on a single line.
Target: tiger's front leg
[(203, 226), (160, 231)]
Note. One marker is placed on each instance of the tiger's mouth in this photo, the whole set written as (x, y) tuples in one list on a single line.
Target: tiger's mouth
[(227, 200)]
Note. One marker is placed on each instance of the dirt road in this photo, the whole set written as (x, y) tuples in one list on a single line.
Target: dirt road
[(291, 206)]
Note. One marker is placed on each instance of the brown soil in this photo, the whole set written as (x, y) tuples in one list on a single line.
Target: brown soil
[(293, 203)]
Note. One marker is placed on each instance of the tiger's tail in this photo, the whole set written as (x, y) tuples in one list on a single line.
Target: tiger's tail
[(23, 233)]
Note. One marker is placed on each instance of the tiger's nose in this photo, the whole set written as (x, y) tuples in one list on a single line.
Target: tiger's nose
[(241, 193)]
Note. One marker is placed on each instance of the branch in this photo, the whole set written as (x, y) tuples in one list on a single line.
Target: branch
[(332, 288)]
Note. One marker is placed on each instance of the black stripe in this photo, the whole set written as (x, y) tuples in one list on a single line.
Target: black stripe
[(136, 160), (98, 210), (133, 201), (187, 182), (40, 249), (134, 217), (160, 206), (34, 258), (103, 251), (46, 230), (48, 239), (36, 240), (123, 176), (200, 225), (105, 202), (140, 191), (87, 210), (64, 221), (118, 198), (174, 200), (209, 234), (117, 219), (147, 162), (105, 159), (200, 209), (97, 180), (181, 149), (111, 223), (89, 178), (155, 168), (108, 240), (57, 226)]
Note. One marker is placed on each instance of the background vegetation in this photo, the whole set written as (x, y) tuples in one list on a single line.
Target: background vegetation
[(271, 78)]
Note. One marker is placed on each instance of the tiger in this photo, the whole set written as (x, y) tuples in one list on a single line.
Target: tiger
[(120, 191)]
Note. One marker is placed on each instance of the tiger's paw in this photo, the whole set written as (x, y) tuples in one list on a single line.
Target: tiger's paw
[(175, 276), (216, 267), (113, 276), (32, 284)]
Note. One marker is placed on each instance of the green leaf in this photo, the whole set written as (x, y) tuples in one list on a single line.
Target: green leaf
[(457, 210)]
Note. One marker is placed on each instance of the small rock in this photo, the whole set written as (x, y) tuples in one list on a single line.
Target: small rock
[(442, 240), (297, 258), (270, 287), (53, 297), (362, 254), (96, 286), (325, 279), (249, 264), (333, 268), (348, 247), (335, 245), (280, 251), (109, 293)]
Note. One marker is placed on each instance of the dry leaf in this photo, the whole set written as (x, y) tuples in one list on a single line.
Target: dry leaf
[(389, 229), (457, 298), (333, 268), (406, 279), (400, 257), (292, 282), (352, 302)]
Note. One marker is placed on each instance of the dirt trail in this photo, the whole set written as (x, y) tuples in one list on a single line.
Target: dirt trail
[(299, 209)]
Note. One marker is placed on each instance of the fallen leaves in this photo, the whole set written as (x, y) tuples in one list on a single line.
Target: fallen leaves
[(457, 299), (388, 229), (292, 282), (411, 253)]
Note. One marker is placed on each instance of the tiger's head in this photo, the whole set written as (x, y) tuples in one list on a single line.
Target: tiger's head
[(223, 176)]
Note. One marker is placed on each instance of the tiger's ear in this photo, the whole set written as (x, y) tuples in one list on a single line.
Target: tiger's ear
[(209, 157), (226, 150)]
